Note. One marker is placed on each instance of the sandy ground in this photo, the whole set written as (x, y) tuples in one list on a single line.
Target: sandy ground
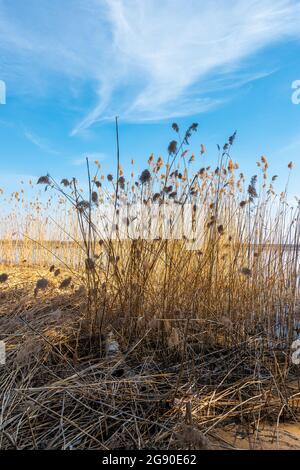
[(284, 437)]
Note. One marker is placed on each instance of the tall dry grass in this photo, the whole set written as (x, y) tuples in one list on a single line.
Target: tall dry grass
[(170, 307)]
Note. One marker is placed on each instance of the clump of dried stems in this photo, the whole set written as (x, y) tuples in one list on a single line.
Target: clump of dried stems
[(142, 343)]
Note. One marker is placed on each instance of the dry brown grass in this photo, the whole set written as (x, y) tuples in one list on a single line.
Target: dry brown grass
[(143, 343), (60, 390)]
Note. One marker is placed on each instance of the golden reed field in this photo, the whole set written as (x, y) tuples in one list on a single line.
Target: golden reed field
[(117, 342)]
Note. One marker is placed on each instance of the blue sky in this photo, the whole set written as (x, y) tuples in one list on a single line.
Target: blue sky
[(70, 66)]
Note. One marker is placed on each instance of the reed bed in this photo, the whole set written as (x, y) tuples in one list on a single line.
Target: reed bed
[(139, 342)]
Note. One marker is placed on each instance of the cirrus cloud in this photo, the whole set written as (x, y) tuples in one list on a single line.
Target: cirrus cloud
[(143, 60)]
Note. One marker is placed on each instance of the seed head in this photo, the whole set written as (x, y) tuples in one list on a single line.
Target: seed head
[(145, 176), (83, 205), (42, 284), (122, 182), (172, 149), (65, 283), (3, 278), (44, 180), (232, 138), (95, 197), (89, 264), (246, 272)]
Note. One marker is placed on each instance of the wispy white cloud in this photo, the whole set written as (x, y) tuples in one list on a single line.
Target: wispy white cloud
[(40, 143), (15, 179), (145, 60), (166, 53), (92, 157), (291, 147)]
